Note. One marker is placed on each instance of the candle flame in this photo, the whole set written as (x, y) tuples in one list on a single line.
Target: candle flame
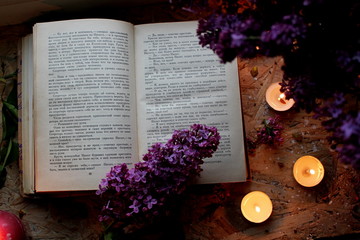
[(281, 98), (310, 171), (257, 209)]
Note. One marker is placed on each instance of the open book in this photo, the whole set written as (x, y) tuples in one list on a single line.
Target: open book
[(96, 93)]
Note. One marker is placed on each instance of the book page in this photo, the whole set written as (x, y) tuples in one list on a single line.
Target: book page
[(85, 108), (179, 83)]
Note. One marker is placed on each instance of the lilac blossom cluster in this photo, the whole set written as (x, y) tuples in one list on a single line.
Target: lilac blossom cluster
[(269, 133), (145, 190), (319, 42), (345, 127)]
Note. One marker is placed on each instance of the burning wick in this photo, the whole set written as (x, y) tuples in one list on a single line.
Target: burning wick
[(310, 171), (281, 98), (256, 206), (277, 99)]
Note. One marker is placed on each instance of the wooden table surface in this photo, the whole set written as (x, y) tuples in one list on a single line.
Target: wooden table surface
[(212, 212)]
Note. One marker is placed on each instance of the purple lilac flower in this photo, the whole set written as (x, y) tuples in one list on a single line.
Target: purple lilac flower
[(270, 133), (345, 127), (149, 201), (228, 35), (164, 173), (284, 34), (135, 206), (319, 42)]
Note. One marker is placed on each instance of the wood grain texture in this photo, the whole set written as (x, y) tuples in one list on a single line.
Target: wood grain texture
[(212, 212), (328, 209)]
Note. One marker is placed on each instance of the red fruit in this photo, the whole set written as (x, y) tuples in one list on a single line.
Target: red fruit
[(11, 227)]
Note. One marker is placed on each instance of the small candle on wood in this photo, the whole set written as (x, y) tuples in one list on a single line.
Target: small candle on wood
[(308, 171), (277, 99), (256, 206)]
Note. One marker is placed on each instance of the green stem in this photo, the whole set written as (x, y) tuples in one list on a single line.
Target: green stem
[(253, 37), (7, 153)]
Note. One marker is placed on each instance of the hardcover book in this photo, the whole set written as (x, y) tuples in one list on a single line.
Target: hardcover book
[(96, 93)]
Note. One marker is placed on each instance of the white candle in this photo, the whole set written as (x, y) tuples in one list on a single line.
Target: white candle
[(276, 99), (308, 171), (256, 206)]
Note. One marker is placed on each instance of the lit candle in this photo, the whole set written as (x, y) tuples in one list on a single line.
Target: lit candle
[(308, 171), (256, 206), (11, 227), (276, 99)]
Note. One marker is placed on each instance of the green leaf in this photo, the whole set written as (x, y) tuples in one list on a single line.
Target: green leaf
[(10, 153), (8, 150), (11, 75), (10, 124), (108, 236), (12, 98), (12, 109), (14, 153), (10, 121), (113, 235), (3, 151)]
